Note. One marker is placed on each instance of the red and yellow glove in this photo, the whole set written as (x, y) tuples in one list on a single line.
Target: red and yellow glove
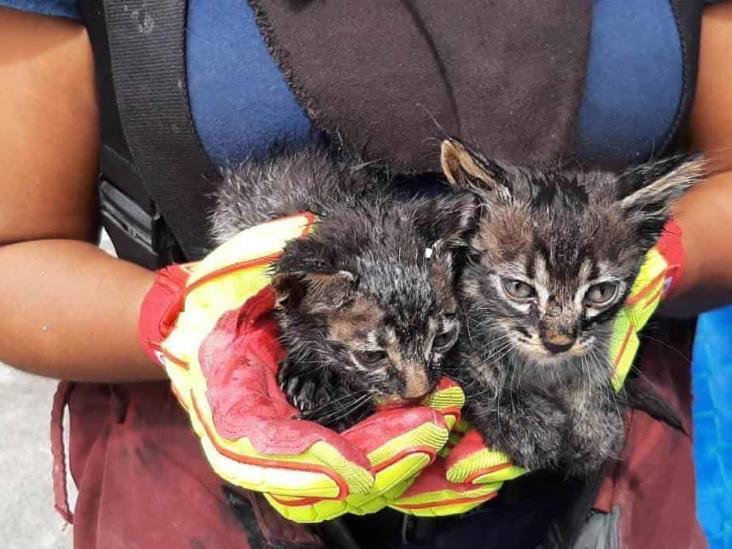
[(658, 277), (392, 474), (463, 477), (210, 325)]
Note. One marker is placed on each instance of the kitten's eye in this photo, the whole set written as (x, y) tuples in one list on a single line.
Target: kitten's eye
[(443, 341), (602, 293), (517, 289), (368, 358)]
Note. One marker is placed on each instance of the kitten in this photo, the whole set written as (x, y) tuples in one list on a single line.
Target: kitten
[(552, 261), (366, 303)]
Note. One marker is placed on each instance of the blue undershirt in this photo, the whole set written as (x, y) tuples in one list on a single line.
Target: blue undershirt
[(241, 103), (633, 84)]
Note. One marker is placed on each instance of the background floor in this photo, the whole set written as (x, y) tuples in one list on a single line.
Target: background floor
[(27, 517)]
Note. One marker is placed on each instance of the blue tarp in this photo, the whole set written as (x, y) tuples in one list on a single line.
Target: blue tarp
[(712, 385)]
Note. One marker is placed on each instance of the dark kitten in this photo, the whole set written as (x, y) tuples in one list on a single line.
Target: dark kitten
[(366, 303), (553, 259)]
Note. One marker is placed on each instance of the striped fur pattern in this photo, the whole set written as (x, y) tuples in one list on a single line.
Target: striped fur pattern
[(552, 261)]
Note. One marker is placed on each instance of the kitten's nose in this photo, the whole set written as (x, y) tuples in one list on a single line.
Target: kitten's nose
[(556, 348), (416, 384), (558, 340)]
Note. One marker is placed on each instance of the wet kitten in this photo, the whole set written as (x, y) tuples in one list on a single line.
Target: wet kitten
[(366, 303), (553, 259)]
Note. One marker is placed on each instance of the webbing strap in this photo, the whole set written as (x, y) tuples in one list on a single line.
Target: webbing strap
[(58, 450), (146, 52)]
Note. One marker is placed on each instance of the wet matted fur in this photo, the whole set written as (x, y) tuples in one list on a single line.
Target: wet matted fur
[(366, 304), (552, 261)]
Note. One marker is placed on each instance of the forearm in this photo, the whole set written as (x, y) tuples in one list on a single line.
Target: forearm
[(69, 310), (705, 215)]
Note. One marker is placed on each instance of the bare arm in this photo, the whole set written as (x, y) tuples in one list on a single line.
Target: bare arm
[(67, 309), (705, 214)]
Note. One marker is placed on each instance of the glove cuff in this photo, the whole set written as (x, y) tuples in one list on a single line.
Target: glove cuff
[(160, 308), (671, 247)]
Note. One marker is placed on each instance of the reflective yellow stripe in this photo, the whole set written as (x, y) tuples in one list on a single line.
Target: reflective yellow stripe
[(641, 304), (493, 462)]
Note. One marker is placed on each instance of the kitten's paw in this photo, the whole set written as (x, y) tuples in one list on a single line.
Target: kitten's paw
[(302, 394), (323, 398), (306, 394)]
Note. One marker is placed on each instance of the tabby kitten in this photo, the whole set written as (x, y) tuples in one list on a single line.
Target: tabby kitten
[(552, 261), (366, 304)]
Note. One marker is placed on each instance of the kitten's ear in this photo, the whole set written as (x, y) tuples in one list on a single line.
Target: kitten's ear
[(447, 220), (646, 193), (314, 291), (468, 169)]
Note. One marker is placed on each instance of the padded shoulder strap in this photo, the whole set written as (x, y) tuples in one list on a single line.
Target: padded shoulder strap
[(392, 80), (150, 143)]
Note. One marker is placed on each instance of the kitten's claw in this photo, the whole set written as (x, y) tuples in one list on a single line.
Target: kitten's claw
[(306, 394), (292, 386), (302, 394)]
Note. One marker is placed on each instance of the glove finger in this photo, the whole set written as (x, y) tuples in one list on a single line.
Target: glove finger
[(448, 398), (471, 461), (389, 435), (398, 442), (311, 510), (307, 510), (432, 495)]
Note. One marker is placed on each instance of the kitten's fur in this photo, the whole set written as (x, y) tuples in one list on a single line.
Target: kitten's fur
[(533, 355), (364, 312)]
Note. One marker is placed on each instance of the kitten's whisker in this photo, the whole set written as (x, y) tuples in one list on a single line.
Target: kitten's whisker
[(586, 367), (687, 360), (495, 351), (333, 402), (499, 355), (345, 411), (492, 343), (613, 396), (511, 386)]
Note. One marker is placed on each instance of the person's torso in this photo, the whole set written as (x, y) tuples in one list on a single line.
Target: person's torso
[(241, 102)]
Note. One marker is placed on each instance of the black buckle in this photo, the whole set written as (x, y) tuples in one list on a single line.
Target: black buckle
[(137, 235)]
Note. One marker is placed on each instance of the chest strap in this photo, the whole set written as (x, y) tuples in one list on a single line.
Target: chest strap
[(156, 179)]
